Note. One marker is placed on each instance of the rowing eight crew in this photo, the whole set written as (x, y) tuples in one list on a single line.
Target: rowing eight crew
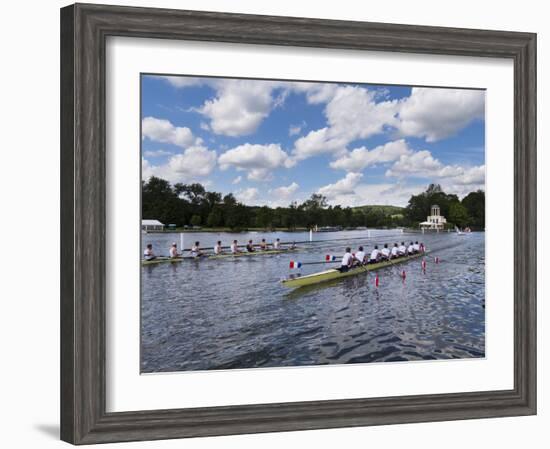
[(196, 251), (350, 260)]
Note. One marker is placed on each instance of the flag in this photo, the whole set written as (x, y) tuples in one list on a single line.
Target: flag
[(294, 265)]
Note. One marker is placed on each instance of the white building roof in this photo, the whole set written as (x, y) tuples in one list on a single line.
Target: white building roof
[(151, 223), (426, 223)]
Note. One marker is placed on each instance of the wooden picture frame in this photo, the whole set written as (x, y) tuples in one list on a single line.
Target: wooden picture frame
[(84, 29)]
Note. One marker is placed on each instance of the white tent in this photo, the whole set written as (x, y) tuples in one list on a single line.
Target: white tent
[(151, 225)]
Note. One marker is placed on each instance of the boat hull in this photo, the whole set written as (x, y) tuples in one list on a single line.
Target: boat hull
[(330, 275)]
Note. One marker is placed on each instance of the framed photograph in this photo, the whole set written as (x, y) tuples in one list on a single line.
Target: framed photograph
[(274, 223)]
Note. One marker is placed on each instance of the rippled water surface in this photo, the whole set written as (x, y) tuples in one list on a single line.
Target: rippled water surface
[(222, 314)]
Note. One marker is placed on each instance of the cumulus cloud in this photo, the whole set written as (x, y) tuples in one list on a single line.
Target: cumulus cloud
[(361, 158), (239, 106), (160, 130), (285, 192), (352, 113), (422, 164), (345, 186), (247, 196), (294, 130), (237, 180), (183, 81), (193, 163), (257, 160), (157, 153), (439, 113)]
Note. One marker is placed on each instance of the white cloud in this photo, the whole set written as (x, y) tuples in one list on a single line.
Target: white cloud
[(361, 158), (257, 160), (237, 180), (422, 164), (160, 130), (285, 192), (248, 196), (345, 186), (352, 113), (157, 153), (239, 107), (438, 113), (193, 163)]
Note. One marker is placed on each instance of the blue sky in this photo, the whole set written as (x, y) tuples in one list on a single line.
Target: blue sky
[(273, 142)]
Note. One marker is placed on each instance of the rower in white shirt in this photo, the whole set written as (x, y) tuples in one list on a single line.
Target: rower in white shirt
[(148, 254), (346, 261), (174, 251), (394, 251), (374, 255), (196, 250), (277, 244), (360, 256), (235, 248), (218, 247), (410, 249), (402, 249), (385, 252), (416, 247)]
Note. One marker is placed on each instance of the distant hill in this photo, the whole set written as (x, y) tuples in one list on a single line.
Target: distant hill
[(386, 210)]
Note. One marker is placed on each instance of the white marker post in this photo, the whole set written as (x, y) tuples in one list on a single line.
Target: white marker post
[(311, 235), (181, 242)]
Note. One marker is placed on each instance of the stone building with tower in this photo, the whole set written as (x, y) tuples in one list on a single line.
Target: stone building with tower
[(435, 221)]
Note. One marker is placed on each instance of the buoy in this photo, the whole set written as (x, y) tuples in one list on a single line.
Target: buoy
[(424, 266), (403, 275), (376, 281)]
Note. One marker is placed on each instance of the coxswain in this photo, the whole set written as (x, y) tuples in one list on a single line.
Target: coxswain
[(148, 254)]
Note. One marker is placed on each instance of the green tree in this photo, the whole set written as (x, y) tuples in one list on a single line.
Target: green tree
[(196, 220), (458, 215), (215, 217), (474, 202)]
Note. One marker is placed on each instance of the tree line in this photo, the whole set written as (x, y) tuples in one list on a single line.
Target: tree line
[(192, 205)]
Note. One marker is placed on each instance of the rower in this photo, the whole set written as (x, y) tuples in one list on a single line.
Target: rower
[(235, 248), (263, 245), (347, 260), (250, 247), (148, 254), (293, 245), (174, 251), (395, 251), (385, 252), (277, 244), (374, 255), (402, 249), (196, 250), (410, 249), (360, 256), (218, 247), (416, 247)]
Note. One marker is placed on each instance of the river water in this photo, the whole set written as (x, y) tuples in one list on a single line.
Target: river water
[(224, 314)]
